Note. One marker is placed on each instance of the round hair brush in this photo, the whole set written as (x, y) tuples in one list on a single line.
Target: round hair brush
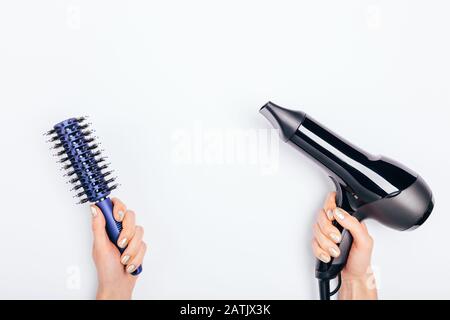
[(87, 170)]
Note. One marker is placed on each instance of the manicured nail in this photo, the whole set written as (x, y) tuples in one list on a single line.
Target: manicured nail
[(330, 214), (120, 214), (336, 238), (323, 257), (93, 211), (125, 259), (131, 268), (123, 242), (334, 252), (339, 214)]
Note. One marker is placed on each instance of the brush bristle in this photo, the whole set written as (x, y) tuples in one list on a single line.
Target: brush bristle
[(83, 162)]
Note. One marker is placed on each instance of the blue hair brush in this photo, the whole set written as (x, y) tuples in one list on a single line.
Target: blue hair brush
[(87, 170)]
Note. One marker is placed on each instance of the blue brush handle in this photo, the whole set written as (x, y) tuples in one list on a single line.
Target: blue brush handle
[(113, 227)]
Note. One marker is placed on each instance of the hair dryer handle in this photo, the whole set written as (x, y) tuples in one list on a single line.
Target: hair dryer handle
[(331, 270), (113, 227), (328, 271)]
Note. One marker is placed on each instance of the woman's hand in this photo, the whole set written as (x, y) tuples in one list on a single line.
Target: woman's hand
[(114, 269), (358, 282)]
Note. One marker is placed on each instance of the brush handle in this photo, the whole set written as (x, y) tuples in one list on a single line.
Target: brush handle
[(113, 227)]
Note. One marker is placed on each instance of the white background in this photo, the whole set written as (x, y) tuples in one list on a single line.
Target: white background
[(377, 72)]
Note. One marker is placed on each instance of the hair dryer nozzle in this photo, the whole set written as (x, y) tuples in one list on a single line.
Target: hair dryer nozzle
[(287, 121)]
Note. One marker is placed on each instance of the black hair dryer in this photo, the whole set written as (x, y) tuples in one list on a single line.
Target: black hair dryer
[(367, 186)]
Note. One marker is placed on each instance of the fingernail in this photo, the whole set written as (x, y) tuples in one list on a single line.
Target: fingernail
[(93, 212), (334, 252), (131, 268), (336, 238), (123, 242), (121, 214), (330, 214), (125, 259), (323, 257), (339, 214)]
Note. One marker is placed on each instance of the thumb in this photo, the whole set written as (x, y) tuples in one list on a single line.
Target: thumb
[(98, 226)]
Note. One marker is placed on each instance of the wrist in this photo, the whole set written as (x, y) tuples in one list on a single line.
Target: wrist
[(113, 294), (358, 287)]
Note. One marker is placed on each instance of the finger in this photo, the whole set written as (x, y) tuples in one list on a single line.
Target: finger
[(330, 205), (133, 246), (360, 235), (138, 259), (119, 209), (327, 228), (364, 227), (325, 243), (319, 253), (98, 226), (129, 226)]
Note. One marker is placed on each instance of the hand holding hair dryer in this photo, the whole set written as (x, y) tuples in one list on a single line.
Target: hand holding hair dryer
[(367, 186)]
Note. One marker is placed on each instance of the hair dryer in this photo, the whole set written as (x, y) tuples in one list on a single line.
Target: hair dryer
[(367, 186)]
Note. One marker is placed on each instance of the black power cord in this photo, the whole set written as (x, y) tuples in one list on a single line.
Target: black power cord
[(324, 288), (338, 286)]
